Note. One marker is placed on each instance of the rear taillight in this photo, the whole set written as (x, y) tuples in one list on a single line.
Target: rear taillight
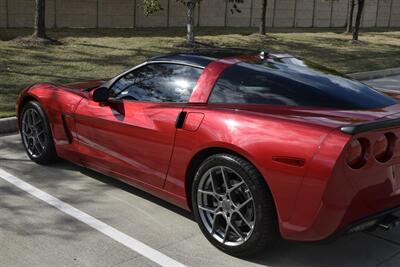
[(384, 146), (357, 153)]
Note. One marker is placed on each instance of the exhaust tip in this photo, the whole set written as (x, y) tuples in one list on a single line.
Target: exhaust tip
[(389, 222)]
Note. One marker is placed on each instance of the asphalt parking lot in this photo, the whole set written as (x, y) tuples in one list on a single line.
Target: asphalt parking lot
[(94, 213)]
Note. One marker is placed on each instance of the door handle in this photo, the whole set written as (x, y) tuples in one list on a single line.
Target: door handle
[(180, 120)]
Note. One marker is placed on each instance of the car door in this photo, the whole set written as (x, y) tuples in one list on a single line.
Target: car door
[(132, 135)]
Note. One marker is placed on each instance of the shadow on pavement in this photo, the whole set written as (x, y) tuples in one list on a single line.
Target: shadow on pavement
[(132, 190)]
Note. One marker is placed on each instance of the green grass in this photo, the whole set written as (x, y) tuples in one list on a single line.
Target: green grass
[(89, 53)]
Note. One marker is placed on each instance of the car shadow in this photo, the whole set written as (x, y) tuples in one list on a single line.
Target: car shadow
[(110, 181)]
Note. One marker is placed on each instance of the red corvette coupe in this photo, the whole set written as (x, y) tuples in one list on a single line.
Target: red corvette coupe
[(258, 145)]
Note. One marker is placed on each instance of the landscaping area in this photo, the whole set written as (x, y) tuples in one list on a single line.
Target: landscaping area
[(91, 53)]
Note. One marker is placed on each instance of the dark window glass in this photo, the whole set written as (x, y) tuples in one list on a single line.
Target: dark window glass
[(158, 83), (294, 83)]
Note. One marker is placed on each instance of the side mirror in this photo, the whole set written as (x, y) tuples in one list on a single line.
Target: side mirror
[(101, 95)]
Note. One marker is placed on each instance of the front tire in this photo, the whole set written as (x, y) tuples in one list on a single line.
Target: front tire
[(233, 206), (36, 134)]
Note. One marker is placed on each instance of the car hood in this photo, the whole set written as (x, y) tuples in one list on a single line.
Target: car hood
[(84, 86)]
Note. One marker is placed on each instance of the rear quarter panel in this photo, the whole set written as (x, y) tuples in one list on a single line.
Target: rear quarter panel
[(256, 137)]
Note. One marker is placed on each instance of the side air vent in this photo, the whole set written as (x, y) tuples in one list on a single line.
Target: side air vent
[(65, 126)]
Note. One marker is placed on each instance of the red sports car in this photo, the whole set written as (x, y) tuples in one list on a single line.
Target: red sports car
[(258, 145)]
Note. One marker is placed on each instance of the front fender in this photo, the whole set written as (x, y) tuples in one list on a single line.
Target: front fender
[(58, 104)]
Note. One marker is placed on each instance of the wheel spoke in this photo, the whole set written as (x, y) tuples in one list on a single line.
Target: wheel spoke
[(237, 231), (247, 201), (25, 133), (38, 148), (236, 186), (40, 142), (30, 144), (225, 180), (205, 192), (33, 146), (40, 133), (208, 209), (38, 121), (212, 183), (33, 118), (26, 119), (250, 225), (24, 125), (226, 233), (214, 225)]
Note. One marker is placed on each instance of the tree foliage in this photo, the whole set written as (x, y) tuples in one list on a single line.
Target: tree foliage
[(235, 7), (151, 6)]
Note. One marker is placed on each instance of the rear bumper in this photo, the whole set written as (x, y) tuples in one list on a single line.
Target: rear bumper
[(338, 198), (367, 223), (331, 221)]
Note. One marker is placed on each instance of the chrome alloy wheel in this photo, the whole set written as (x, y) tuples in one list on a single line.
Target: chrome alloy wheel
[(33, 133), (226, 206)]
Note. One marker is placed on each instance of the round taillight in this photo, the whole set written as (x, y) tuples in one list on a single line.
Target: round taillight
[(383, 147), (357, 153)]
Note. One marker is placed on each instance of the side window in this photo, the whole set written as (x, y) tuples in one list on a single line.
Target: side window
[(292, 85), (159, 82), (243, 86)]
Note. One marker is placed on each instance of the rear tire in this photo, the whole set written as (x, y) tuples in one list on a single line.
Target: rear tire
[(36, 134), (217, 209)]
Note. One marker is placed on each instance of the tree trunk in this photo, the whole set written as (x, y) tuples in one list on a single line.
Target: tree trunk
[(40, 27), (358, 19), (350, 17), (263, 17), (190, 22)]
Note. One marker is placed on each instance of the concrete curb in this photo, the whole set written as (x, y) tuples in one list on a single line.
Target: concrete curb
[(369, 75), (8, 125)]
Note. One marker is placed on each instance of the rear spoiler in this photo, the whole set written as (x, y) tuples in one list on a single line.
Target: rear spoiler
[(370, 126)]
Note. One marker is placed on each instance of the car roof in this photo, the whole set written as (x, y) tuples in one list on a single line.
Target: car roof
[(203, 57)]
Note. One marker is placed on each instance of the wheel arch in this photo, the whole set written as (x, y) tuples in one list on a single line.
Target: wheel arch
[(22, 102), (199, 158)]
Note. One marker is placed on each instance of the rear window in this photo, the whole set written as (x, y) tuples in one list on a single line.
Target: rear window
[(293, 83)]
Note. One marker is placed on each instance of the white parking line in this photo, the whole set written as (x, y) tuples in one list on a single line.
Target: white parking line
[(100, 226)]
